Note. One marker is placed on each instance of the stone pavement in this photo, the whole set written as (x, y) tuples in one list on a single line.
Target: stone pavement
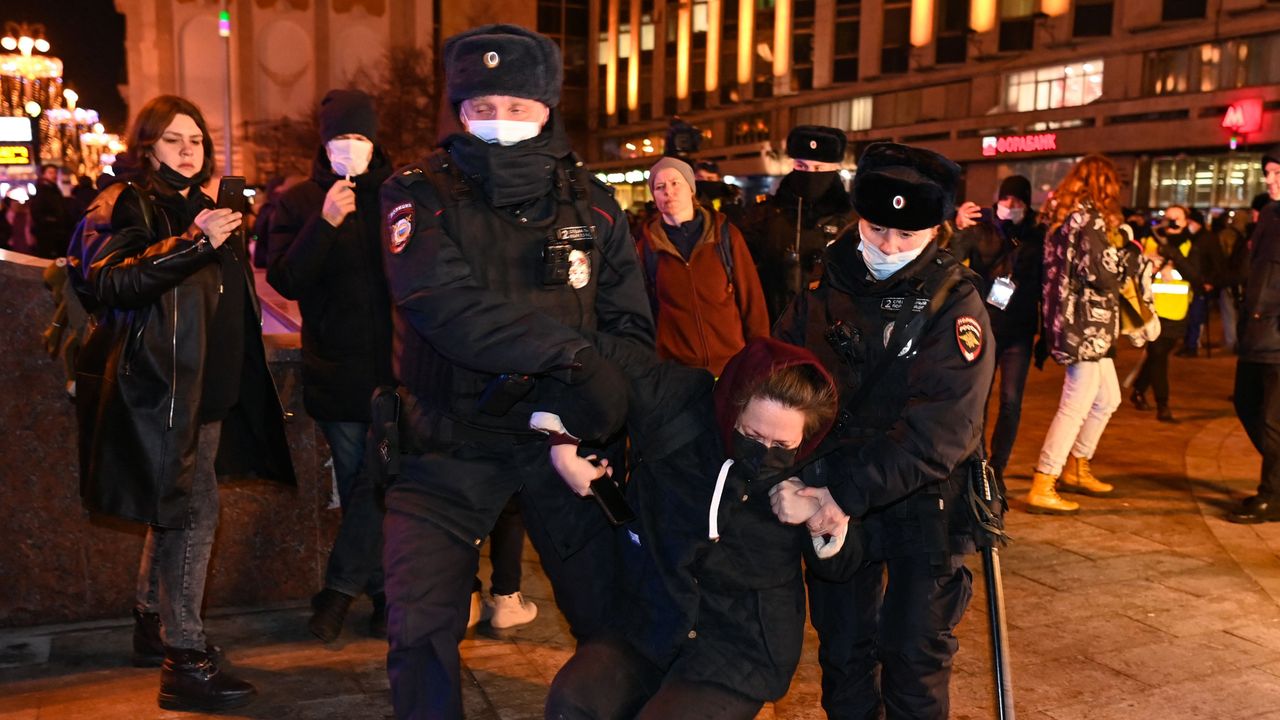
[(1146, 605)]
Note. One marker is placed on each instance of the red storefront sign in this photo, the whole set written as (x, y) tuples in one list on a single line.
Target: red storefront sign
[(993, 145), (1244, 116)]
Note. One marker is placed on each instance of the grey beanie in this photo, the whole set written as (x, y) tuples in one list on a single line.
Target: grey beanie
[(673, 162)]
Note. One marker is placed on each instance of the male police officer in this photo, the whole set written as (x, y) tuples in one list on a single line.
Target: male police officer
[(902, 327), (500, 253), (788, 232)]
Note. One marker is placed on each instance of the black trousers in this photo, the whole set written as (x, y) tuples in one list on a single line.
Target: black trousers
[(1154, 372), (1258, 407), (506, 546), (430, 574), (886, 638), (606, 679)]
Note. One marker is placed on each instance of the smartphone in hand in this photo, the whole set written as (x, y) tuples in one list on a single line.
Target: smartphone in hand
[(231, 193)]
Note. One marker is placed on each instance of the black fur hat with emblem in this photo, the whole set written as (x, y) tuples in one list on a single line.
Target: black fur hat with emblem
[(503, 60), (904, 187), (817, 143)]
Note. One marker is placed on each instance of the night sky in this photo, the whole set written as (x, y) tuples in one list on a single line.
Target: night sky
[(89, 37)]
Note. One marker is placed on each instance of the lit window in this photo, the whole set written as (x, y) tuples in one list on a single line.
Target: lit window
[(1053, 87)]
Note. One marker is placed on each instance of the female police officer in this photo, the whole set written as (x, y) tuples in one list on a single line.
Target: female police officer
[(902, 327)]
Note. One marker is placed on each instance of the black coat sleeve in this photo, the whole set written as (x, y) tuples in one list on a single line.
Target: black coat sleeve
[(434, 290), (940, 426), (299, 242), (127, 267), (622, 304)]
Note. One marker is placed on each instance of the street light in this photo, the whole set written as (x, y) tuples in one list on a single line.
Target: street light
[(33, 108), (71, 96)]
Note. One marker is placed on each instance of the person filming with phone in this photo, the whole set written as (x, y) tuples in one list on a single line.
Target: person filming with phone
[(172, 376)]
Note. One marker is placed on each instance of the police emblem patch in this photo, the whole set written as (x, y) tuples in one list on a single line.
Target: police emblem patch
[(400, 223), (579, 269), (968, 337)]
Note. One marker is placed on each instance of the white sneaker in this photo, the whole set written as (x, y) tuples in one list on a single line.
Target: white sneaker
[(506, 611), (477, 610)]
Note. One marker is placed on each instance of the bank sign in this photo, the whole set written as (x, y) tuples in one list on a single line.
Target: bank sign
[(994, 145)]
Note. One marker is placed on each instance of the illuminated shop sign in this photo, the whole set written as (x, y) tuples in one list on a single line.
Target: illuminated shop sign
[(15, 155), (1244, 116), (993, 145), (15, 130)]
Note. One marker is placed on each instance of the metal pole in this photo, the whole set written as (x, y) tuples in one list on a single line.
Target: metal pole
[(226, 110), (999, 634)]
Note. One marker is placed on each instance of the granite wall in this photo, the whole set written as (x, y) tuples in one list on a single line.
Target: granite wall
[(60, 564)]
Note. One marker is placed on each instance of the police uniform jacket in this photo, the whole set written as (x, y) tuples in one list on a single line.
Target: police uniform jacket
[(498, 259), (901, 464), (1260, 336)]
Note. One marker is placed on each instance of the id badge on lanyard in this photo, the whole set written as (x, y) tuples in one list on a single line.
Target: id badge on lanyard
[(1001, 292)]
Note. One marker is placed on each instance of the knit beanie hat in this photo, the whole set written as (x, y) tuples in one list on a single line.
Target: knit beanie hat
[(344, 112), (672, 162), (1015, 186)]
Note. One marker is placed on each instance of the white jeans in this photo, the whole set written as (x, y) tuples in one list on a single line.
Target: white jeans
[(1090, 393)]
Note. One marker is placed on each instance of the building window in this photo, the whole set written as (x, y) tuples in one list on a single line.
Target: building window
[(845, 54), (748, 129), (1051, 87), (850, 115), (1207, 181), (1017, 25), (1213, 66), (953, 30), (802, 44), (1183, 10), (895, 48), (1093, 19)]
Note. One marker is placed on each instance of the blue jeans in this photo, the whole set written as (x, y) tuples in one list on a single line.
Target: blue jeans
[(1197, 316), (175, 562), (1014, 360), (355, 563)]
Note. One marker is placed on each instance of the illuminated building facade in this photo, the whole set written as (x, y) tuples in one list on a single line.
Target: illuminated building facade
[(1001, 86)]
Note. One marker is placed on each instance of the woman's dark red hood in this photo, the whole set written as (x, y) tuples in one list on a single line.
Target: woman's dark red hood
[(758, 359)]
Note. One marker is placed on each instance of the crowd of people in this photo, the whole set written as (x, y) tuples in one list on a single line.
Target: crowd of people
[(700, 419)]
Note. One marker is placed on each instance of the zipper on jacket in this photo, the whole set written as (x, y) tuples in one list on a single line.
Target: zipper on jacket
[(173, 388), (180, 253)]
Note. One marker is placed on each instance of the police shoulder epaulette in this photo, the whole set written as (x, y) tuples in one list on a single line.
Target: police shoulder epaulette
[(409, 175), (602, 184)]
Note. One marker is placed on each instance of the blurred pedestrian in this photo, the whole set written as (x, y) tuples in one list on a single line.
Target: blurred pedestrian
[(53, 213), (1206, 258), (173, 375), (1257, 389), (1083, 270), (703, 287), (326, 252)]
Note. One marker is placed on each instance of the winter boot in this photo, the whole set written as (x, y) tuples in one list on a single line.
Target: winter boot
[(1139, 400), (330, 610), (148, 648), (507, 611), (191, 680), (1043, 499), (1165, 415), (1078, 478)]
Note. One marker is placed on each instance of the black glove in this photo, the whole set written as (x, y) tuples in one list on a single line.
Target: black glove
[(593, 405), (1041, 352)]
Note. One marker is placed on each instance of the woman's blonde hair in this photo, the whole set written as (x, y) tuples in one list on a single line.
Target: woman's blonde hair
[(1092, 181)]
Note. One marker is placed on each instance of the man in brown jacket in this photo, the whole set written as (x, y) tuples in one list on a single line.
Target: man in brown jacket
[(703, 287)]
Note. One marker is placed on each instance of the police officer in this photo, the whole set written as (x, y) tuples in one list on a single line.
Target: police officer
[(902, 327), (788, 232), (501, 252)]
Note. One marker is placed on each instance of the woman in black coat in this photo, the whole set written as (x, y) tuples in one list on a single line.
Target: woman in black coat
[(709, 620), (171, 384)]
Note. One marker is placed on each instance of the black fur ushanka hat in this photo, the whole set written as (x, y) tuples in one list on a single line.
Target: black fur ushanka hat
[(903, 187), (503, 60)]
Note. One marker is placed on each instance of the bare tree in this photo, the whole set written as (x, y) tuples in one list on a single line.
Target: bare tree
[(284, 146), (405, 90)]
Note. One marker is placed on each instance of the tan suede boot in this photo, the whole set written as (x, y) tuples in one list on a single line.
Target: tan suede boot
[(1078, 478), (1043, 498)]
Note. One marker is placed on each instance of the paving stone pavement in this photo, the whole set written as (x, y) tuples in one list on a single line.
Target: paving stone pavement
[(1145, 605)]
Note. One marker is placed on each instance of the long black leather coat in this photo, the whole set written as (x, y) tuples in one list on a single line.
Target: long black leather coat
[(140, 373)]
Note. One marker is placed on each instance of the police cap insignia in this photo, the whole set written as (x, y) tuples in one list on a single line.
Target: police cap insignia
[(969, 337), (491, 59), (400, 224)]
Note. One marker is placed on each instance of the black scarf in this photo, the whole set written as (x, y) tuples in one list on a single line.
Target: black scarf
[(512, 175)]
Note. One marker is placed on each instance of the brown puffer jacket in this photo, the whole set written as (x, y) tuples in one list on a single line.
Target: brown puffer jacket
[(703, 316)]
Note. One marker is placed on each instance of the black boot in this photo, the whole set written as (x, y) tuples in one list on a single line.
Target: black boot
[(1165, 415), (148, 647), (1256, 509), (330, 611), (1139, 400), (378, 620), (192, 680)]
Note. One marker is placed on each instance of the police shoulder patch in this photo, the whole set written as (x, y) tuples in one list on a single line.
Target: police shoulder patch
[(400, 227), (969, 337)]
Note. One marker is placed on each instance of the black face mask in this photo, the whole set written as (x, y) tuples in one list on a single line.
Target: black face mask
[(759, 463), (712, 189), (173, 178), (812, 185)]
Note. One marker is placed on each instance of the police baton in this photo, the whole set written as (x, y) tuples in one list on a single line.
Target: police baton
[(987, 502)]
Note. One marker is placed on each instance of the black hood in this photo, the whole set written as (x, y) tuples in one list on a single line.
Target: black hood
[(835, 201)]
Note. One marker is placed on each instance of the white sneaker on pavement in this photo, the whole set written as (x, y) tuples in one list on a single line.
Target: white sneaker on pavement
[(506, 611)]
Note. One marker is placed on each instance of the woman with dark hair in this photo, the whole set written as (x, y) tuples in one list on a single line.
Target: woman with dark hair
[(1085, 263), (172, 376), (709, 615)]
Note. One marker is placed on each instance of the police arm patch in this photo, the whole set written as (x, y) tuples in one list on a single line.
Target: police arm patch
[(969, 337), (400, 224)]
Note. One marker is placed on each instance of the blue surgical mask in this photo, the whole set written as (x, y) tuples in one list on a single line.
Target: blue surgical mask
[(881, 265)]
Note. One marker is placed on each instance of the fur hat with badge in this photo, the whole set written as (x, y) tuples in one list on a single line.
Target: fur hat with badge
[(816, 143), (903, 187), (503, 60)]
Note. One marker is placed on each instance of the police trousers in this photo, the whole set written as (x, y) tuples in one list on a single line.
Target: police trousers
[(886, 637)]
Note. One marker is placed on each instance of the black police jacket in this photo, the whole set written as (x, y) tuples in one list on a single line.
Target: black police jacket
[(336, 276), (1260, 322), (139, 374), (903, 466), (770, 231), (480, 291)]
